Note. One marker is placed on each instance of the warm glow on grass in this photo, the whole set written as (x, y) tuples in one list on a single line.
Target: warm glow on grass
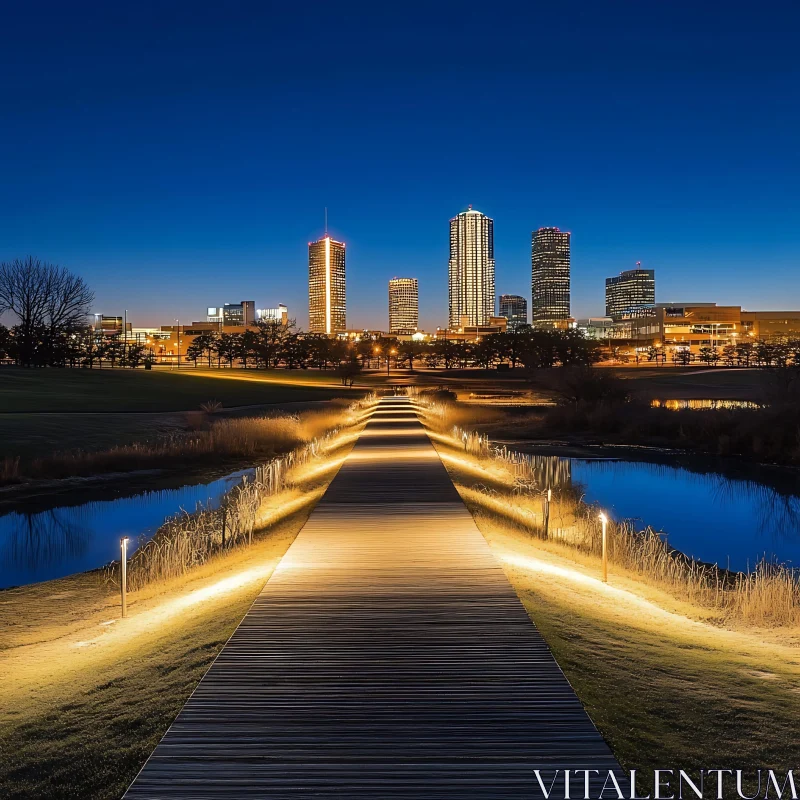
[(288, 379), (623, 601)]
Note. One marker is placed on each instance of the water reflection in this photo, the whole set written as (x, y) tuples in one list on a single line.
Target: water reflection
[(54, 535), (55, 542), (703, 405), (728, 521)]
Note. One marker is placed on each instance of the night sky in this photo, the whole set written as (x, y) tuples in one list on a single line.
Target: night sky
[(180, 155)]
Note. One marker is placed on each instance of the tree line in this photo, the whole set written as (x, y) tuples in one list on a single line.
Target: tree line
[(778, 351), (271, 344)]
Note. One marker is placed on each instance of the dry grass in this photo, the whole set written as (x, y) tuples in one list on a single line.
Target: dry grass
[(186, 540), (511, 487), (236, 438)]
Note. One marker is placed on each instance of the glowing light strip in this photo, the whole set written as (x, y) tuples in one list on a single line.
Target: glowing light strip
[(327, 284)]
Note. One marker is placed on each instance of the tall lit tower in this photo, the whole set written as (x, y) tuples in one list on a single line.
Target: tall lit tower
[(471, 268), (549, 275), (326, 286), (403, 305)]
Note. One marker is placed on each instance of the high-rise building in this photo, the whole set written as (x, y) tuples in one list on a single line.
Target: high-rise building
[(403, 305), (471, 268), (550, 275), (631, 289), (515, 309), (237, 314), (326, 286)]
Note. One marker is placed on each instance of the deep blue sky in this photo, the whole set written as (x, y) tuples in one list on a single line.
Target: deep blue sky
[(180, 155)]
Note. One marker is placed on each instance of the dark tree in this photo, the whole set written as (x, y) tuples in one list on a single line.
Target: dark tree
[(48, 301)]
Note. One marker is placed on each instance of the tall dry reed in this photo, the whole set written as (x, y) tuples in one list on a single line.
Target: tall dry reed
[(246, 437), (769, 595), (187, 540)]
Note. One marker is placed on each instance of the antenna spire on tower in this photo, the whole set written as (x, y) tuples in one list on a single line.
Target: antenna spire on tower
[(326, 220)]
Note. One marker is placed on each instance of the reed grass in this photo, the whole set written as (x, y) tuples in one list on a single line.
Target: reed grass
[(9, 469), (187, 540), (514, 492), (240, 438)]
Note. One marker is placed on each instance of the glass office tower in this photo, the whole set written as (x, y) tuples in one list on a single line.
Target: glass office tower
[(550, 267)]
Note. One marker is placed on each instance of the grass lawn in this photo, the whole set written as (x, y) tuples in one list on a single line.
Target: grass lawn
[(36, 435), (664, 689), (44, 411), (119, 390)]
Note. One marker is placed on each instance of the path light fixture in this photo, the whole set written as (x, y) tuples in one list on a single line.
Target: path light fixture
[(548, 498), (604, 522), (123, 583)]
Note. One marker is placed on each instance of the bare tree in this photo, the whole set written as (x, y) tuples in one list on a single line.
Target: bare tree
[(47, 299)]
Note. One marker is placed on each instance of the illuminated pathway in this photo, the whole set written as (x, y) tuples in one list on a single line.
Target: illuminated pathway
[(387, 657)]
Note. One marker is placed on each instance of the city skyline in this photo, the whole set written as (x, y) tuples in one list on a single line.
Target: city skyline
[(552, 259), (160, 204)]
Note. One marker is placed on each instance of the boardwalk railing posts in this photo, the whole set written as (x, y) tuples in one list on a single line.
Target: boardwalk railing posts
[(604, 522), (547, 499), (123, 582)]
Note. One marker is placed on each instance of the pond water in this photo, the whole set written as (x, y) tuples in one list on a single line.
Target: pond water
[(728, 521), (703, 405), (59, 541)]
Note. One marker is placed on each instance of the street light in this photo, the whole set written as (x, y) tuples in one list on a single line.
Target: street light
[(604, 521), (390, 353), (123, 583), (179, 342)]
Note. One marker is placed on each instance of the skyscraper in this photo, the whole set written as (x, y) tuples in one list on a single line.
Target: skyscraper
[(550, 275), (403, 305), (326, 286), (631, 289), (515, 309), (471, 268)]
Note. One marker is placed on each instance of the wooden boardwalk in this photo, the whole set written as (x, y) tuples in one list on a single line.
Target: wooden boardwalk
[(387, 657)]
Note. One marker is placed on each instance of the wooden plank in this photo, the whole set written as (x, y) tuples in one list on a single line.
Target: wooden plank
[(387, 657)]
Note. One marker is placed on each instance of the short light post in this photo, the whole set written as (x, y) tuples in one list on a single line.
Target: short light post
[(604, 523), (390, 353), (179, 342), (123, 583), (547, 499)]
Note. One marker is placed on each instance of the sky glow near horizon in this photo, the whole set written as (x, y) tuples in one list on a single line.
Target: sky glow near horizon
[(180, 156)]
